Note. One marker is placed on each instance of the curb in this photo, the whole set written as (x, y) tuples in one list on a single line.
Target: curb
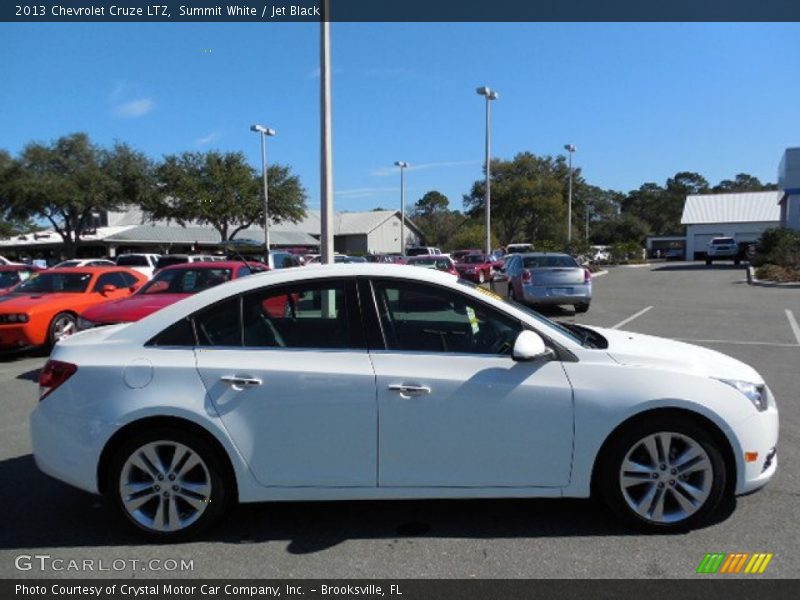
[(751, 280), (599, 273)]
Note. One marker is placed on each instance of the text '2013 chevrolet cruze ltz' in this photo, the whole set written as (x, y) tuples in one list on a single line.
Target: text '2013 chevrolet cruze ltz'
[(383, 382)]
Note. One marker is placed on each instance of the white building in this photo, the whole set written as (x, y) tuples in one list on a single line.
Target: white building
[(741, 216), (789, 182)]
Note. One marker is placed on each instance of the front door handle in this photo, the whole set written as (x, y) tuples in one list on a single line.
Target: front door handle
[(240, 382), (410, 390)]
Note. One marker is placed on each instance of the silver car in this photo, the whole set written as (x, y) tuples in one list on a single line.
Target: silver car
[(548, 279)]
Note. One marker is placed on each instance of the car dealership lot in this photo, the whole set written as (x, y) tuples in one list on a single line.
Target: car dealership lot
[(496, 538)]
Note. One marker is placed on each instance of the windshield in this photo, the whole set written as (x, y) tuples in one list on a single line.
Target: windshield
[(56, 283), (474, 258), (185, 281), (539, 318), (532, 262), (417, 251), (132, 261), (68, 263), (8, 278), (723, 241)]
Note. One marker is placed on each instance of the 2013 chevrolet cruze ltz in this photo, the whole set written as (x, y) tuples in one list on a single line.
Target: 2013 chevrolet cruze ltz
[(386, 382)]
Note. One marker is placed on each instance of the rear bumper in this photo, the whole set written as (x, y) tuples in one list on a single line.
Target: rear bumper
[(552, 295)]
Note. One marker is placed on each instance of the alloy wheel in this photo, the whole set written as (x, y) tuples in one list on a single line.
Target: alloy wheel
[(666, 477), (165, 486)]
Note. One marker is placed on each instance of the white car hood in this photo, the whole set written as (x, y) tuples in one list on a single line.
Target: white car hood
[(637, 349)]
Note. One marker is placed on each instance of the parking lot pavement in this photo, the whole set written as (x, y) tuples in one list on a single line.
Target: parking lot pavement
[(486, 538)]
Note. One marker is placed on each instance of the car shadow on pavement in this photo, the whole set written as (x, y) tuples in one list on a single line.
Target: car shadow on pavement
[(45, 513), (32, 375), (700, 267)]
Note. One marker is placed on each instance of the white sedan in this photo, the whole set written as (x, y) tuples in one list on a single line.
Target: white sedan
[(372, 382)]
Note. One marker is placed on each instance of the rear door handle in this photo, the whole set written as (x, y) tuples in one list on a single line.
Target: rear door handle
[(410, 390), (240, 382)]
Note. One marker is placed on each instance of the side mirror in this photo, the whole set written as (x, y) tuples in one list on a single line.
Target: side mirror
[(529, 346), (108, 288)]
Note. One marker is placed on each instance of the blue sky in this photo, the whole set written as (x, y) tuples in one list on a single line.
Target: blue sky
[(640, 101)]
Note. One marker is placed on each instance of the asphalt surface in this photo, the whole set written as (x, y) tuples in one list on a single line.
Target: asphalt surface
[(711, 306)]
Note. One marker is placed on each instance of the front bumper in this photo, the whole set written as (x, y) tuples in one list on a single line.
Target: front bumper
[(17, 337), (758, 433), (553, 295)]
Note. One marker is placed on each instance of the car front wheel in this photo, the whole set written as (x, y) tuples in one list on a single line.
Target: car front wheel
[(168, 483), (666, 475)]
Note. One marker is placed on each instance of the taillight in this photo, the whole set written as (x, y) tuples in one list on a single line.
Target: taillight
[(527, 277), (587, 276), (54, 373)]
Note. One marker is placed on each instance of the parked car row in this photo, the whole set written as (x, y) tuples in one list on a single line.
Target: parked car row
[(49, 305)]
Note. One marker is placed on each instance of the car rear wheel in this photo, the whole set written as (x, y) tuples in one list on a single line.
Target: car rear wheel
[(63, 325), (708, 261), (168, 483), (582, 307), (664, 475)]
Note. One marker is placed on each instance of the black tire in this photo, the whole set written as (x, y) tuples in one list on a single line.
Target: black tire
[(737, 261), (610, 486), (215, 504), (582, 307), (56, 324), (708, 261), (510, 292)]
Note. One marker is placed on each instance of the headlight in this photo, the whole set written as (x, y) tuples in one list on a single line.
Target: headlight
[(757, 394), (85, 324), (14, 318)]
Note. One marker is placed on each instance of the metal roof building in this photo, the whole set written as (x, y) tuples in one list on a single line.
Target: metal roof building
[(741, 216)]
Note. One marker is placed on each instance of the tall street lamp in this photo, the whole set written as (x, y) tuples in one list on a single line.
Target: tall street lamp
[(490, 95), (402, 164), (571, 149), (263, 132)]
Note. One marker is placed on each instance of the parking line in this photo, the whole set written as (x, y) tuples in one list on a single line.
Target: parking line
[(748, 343), (793, 325), (631, 318)]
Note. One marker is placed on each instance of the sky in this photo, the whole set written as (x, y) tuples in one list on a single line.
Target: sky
[(640, 101)]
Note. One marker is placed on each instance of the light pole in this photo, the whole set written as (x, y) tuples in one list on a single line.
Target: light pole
[(263, 132), (490, 95), (402, 164), (569, 148), (326, 138)]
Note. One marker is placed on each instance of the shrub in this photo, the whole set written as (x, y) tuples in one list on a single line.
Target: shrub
[(778, 273), (780, 247), (624, 252)]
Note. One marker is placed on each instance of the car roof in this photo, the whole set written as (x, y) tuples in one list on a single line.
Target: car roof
[(540, 254), (93, 269), (20, 268), (428, 257), (212, 264)]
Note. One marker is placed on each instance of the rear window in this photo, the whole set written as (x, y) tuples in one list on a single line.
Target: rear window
[(417, 251), (474, 258), (132, 261), (185, 281), (533, 262)]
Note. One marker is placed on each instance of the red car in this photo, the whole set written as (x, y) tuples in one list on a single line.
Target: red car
[(11, 275), (168, 286), (475, 267)]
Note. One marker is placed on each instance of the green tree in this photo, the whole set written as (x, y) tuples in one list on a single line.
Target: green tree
[(68, 181), (223, 191), (471, 235), (743, 183), (619, 229), (431, 203), (528, 198)]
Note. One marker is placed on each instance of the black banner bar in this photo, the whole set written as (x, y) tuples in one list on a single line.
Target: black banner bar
[(709, 588), (122, 11)]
